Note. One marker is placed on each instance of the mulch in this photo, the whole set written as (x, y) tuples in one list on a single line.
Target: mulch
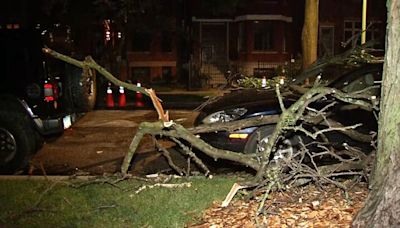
[(308, 206)]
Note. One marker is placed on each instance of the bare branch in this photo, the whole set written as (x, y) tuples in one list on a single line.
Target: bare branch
[(92, 64), (192, 156), (167, 155)]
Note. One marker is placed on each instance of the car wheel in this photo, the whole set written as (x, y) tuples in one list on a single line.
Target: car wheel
[(79, 89), (258, 139), (17, 141)]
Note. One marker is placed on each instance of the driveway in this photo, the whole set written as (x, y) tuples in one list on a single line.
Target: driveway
[(97, 143)]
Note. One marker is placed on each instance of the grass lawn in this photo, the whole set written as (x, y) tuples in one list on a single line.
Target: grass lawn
[(28, 203)]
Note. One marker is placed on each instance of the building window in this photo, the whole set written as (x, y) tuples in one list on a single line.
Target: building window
[(263, 36), (326, 41), (166, 41), (375, 33), (141, 41), (264, 72), (140, 74), (352, 31), (167, 74), (241, 37), (286, 35)]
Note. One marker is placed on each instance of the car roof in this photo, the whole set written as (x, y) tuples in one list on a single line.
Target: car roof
[(332, 73), (255, 97), (354, 74)]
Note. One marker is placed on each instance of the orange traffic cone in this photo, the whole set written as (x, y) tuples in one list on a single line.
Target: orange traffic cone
[(109, 98), (139, 97), (122, 97)]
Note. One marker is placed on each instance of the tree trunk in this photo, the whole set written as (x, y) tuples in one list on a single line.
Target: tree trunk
[(310, 33), (382, 208)]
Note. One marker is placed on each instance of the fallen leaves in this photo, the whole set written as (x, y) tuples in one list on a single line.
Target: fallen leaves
[(308, 206)]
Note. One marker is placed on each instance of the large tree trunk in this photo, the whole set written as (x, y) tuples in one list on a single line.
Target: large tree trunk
[(310, 33), (382, 208)]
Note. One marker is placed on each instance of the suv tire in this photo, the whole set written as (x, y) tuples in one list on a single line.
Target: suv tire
[(79, 90), (17, 141)]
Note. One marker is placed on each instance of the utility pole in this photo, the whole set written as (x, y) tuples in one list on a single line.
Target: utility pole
[(364, 22)]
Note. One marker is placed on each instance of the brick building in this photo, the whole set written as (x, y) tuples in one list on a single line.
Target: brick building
[(254, 38), (340, 24), (152, 45), (196, 38), (259, 35)]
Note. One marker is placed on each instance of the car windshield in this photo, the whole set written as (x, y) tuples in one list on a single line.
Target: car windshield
[(359, 83), (327, 73), (370, 79), (347, 78)]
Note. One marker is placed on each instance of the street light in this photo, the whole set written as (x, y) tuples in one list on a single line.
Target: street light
[(108, 35)]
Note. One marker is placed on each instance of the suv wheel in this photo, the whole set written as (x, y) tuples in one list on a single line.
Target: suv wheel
[(80, 89), (17, 141)]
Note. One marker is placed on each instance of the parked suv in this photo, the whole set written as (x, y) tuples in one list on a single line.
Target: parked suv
[(39, 96)]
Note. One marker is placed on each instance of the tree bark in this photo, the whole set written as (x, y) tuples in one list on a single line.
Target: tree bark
[(382, 208), (310, 33)]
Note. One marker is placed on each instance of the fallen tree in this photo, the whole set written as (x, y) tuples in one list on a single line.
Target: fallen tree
[(275, 167)]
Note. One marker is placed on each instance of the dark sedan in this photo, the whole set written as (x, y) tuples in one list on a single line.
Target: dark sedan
[(247, 103)]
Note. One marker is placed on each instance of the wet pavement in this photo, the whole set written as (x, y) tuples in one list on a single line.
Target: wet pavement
[(173, 99), (97, 143)]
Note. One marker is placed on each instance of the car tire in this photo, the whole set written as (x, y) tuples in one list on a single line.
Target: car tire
[(17, 141), (79, 90), (259, 135), (259, 138)]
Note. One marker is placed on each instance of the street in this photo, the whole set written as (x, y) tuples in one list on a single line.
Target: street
[(97, 143)]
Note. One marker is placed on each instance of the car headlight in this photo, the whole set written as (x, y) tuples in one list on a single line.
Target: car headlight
[(224, 116)]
